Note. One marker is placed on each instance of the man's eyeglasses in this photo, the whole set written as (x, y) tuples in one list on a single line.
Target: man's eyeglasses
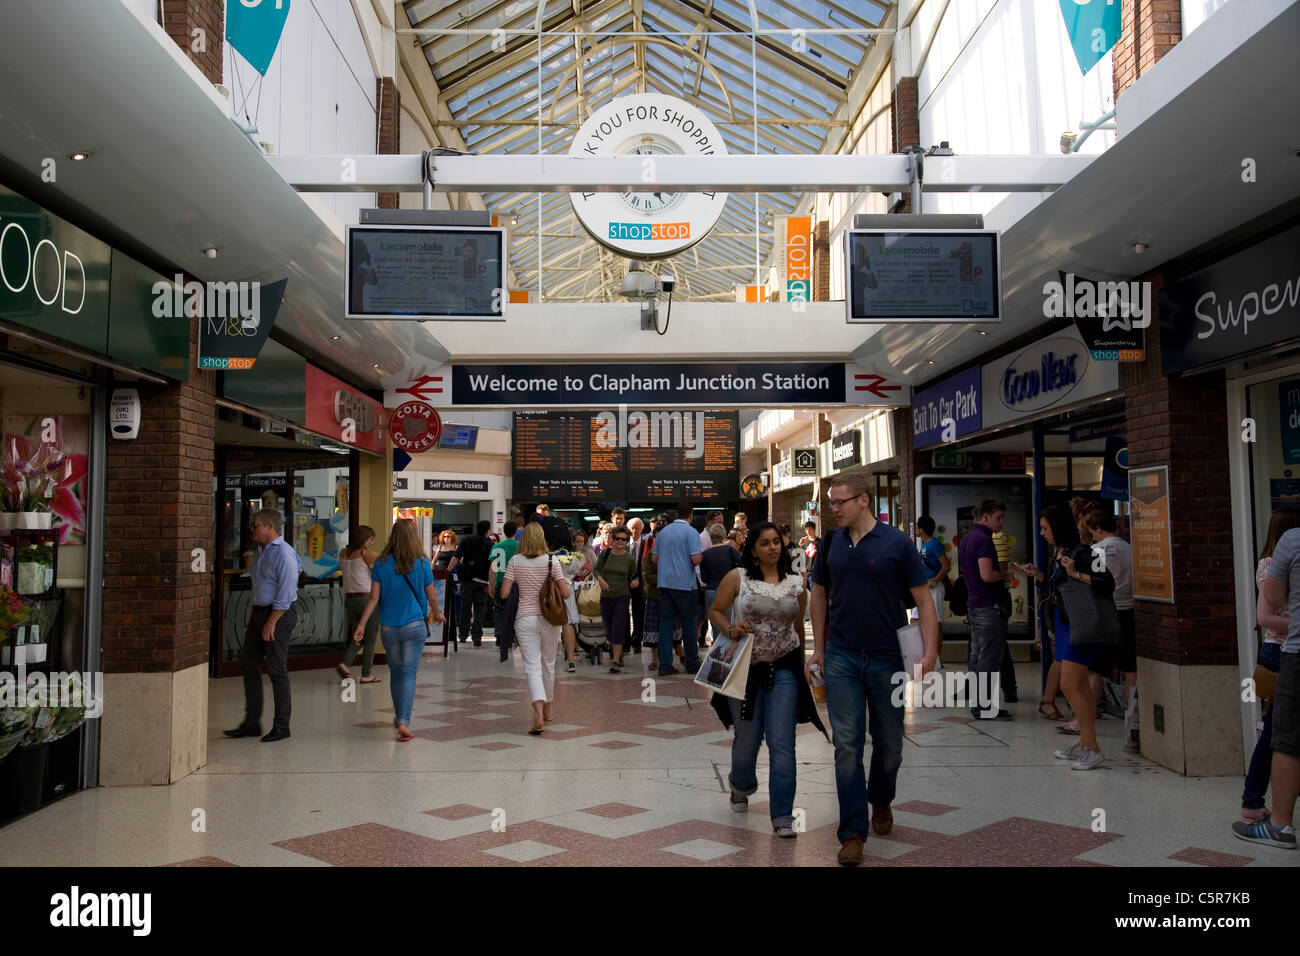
[(836, 502)]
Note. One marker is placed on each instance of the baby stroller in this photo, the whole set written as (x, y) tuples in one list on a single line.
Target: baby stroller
[(589, 628)]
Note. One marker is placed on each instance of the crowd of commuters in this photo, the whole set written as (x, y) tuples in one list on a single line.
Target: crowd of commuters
[(657, 584)]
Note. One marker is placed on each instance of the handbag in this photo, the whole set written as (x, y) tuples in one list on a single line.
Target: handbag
[(550, 599), (589, 600), (1092, 617), (428, 631), (1265, 682)]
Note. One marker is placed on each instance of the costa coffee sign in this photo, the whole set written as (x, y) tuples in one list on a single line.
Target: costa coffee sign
[(415, 427)]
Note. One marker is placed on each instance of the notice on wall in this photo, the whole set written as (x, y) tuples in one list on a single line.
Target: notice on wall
[(1153, 569), (1288, 407)]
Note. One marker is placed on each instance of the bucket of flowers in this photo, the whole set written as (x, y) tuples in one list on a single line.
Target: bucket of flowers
[(59, 710), (15, 722), (37, 482)]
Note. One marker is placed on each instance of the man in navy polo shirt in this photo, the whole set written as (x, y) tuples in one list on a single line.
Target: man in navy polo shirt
[(977, 558), (861, 572)]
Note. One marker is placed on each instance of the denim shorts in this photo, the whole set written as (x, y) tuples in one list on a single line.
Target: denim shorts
[(1286, 733)]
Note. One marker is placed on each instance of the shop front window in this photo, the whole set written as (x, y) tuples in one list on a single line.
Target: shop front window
[(1275, 453), (43, 627)]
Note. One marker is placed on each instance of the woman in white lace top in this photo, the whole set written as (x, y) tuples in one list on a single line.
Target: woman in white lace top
[(768, 598)]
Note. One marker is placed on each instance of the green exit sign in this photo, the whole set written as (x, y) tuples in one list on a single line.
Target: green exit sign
[(949, 459)]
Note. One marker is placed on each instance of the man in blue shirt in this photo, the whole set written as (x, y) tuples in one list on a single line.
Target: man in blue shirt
[(977, 559), (275, 587), (861, 572), (676, 552)]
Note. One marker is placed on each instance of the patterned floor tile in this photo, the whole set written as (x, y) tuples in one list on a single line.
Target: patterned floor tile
[(496, 745), (614, 811), (1209, 857), (373, 844), (926, 809), (458, 811), (616, 745), (703, 850), (202, 861), (525, 851)]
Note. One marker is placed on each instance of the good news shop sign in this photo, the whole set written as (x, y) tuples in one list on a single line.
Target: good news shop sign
[(1051, 374)]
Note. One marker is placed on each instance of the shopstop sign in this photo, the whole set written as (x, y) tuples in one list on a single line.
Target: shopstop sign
[(415, 427)]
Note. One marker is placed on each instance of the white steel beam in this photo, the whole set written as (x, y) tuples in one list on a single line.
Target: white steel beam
[(732, 174)]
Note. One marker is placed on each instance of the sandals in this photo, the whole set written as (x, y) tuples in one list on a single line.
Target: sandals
[(343, 672), (404, 737), (536, 731), (1067, 729), (369, 680), (1048, 710)]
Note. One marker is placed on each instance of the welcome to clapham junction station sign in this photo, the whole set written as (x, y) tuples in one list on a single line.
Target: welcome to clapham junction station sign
[(711, 385)]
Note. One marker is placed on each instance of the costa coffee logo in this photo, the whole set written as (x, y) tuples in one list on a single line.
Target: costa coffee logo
[(415, 427)]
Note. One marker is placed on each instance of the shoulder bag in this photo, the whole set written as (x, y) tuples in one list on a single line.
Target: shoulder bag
[(428, 632), (1092, 617), (550, 599)]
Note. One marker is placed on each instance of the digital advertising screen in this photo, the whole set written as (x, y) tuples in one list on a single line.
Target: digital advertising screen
[(425, 272), (923, 276)]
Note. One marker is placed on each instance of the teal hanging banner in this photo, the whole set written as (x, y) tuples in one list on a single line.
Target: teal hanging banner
[(253, 28), (1093, 26)]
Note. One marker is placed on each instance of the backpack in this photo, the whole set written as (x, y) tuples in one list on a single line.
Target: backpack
[(957, 597), (549, 598)]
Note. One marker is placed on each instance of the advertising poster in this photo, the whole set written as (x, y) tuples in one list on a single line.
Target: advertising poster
[(923, 276), (1114, 470), (1288, 406), (46, 459), (415, 272), (1153, 571), (951, 500)]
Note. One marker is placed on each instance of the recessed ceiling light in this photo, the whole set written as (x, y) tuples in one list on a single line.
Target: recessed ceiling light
[(78, 156), (335, 338), (930, 362), (377, 367), (982, 331)]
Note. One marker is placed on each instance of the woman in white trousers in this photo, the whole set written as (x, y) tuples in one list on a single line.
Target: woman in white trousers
[(538, 639)]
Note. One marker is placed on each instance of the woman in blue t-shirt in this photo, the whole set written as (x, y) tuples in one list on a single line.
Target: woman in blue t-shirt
[(400, 576), (935, 559)]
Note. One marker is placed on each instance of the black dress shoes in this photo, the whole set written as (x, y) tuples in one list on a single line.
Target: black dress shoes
[(242, 731), (275, 735)]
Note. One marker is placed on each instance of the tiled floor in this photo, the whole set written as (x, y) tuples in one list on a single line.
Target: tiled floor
[(632, 772)]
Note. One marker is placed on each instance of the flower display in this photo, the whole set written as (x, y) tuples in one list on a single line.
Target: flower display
[(55, 722), (12, 612), (15, 722), (38, 476)]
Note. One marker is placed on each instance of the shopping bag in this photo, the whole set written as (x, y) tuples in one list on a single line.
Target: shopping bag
[(727, 677)]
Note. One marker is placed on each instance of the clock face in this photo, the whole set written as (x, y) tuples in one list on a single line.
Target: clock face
[(649, 204)]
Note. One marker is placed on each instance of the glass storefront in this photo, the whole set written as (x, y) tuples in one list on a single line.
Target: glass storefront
[(310, 483), (50, 691)]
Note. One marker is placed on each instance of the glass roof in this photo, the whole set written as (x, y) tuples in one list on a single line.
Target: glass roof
[(786, 62)]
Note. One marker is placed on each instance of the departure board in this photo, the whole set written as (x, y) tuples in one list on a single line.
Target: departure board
[(634, 456)]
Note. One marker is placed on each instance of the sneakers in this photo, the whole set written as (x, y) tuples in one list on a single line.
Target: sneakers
[(851, 852), (785, 831), (1267, 832), (573, 668), (1088, 759), (1072, 754), (738, 803), (1253, 815)]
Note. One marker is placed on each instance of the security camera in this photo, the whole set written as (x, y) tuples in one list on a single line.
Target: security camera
[(1067, 141), (668, 282)]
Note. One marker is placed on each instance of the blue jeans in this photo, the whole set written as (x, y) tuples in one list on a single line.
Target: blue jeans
[(859, 685), (403, 647), (1261, 761), (678, 608), (776, 714), (709, 595)]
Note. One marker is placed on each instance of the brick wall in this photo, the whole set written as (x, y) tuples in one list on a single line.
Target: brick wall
[(388, 119), (1150, 29), (1183, 423), (906, 122), (182, 17), (157, 609), (821, 256)]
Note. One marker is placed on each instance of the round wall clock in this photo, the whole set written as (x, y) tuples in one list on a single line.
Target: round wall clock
[(655, 223)]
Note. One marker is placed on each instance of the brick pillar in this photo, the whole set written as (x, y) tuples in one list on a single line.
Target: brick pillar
[(1187, 651), (908, 463), (821, 264), (198, 27), (1150, 29), (388, 118), (906, 123), (157, 607)]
